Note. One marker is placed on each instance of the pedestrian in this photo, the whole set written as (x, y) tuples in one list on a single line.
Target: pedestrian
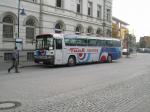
[(15, 55)]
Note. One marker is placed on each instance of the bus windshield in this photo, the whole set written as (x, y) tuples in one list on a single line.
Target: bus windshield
[(44, 41)]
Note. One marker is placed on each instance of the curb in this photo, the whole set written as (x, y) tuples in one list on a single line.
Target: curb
[(24, 66)]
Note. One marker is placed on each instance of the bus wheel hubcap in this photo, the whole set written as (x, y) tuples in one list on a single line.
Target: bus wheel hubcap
[(71, 61)]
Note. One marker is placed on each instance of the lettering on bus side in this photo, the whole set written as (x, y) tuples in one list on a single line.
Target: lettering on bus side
[(92, 50), (77, 50), (82, 50)]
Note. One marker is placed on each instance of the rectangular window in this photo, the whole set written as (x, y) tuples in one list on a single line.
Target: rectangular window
[(7, 31), (81, 42), (116, 43), (39, 43), (99, 11), (58, 44), (92, 42), (101, 42), (79, 6), (30, 56), (108, 15), (109, 43), (30, 33), (44, 41), (7, 56), (70, 42), (35, 1), (59, 3), (90, 8)]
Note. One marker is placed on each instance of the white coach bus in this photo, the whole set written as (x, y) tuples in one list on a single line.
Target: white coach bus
[(70, 49)]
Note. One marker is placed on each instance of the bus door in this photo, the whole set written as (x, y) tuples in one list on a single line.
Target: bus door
[(58, 52)]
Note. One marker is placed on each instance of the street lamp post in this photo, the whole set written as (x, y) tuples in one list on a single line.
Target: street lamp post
[(18, 17), (18, 42), (127, 45)]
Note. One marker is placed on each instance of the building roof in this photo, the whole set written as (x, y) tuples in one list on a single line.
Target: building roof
[(118, 20)]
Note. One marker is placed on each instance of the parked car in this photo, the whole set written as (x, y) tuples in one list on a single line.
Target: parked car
[(125, 52), (147, 50), (143, 50)]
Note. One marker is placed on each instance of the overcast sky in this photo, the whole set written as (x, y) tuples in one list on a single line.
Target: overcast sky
[(136, 13)]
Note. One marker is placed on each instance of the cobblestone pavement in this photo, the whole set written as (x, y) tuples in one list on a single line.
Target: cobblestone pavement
[(121, 90), (126, 96)]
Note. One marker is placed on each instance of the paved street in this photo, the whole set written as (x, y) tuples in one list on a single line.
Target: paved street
[(123, 86)]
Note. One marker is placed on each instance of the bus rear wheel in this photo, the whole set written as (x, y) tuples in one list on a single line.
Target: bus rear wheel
[(109, 59), (71, 61)]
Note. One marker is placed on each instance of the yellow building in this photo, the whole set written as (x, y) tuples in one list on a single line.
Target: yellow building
[(119, 28)]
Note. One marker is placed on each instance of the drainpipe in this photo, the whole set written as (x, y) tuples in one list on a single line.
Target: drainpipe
[(104, 24), (41, 17)]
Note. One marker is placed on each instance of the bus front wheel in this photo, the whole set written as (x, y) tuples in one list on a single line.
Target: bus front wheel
[(71, 61), (109, 59)]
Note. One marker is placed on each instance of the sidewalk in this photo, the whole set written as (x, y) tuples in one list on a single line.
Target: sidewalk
[(4, 66), (27, 64)]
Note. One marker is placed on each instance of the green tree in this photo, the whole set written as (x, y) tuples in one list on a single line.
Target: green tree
[(142, 43), (129, 41)]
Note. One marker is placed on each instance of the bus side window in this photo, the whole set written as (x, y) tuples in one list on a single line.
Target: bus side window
[(92, 42), (104, 43), (99, 43), (67, 41), (115, 44), (81, 42), (109, 43), (58, 43)]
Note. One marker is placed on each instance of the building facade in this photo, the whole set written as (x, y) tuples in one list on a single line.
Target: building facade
[(119, 28), (145, 42), (83, 17)]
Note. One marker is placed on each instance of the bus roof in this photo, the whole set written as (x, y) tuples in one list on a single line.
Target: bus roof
[(55, 35)]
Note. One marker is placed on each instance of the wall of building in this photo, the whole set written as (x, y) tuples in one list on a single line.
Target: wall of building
[(119, 28), (145, 42), (46, 15)]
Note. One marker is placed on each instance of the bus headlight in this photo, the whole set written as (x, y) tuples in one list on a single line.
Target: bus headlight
[(49, 52), (35, 53)]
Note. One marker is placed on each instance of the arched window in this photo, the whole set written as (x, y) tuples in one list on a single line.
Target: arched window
[(58, 28), (30, 29), (108, 32), (78, 30), (89, 31), (99, 32), (8, 26), (59, 3)]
